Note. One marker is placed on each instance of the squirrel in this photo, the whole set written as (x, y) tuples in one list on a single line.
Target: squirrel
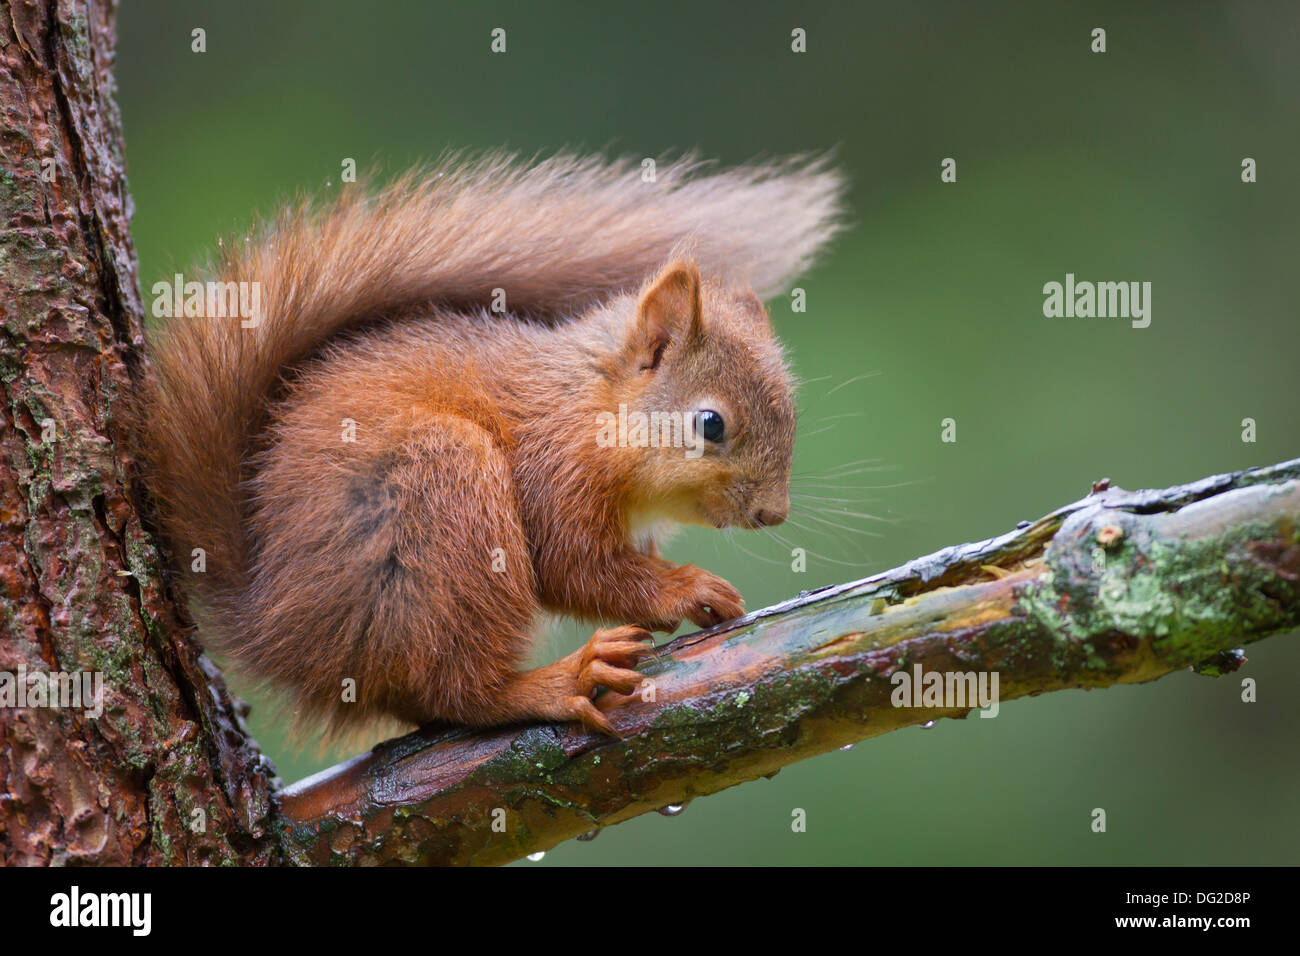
[(412, 552)]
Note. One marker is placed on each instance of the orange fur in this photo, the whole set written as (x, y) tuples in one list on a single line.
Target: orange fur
[(415, 558)]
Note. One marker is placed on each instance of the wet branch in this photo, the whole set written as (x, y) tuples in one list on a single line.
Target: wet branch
[(1119, 587)]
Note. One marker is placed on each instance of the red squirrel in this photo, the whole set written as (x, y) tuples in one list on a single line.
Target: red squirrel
[(396, 464)]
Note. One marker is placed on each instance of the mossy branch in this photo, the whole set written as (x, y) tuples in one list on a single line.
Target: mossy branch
[(1119, 587)]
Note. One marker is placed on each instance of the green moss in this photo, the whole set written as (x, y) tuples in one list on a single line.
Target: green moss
[(534, 750), (1173, 591)]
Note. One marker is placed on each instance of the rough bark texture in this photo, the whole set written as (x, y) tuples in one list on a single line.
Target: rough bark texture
[(1119, 587), (80, 580)]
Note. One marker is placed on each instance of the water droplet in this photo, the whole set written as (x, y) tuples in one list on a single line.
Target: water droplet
[(928, 724), (673, 809), (588, 836), (847, 747), (536, 856)]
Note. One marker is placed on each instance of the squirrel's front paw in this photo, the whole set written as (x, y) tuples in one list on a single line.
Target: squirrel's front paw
[(701, 596)]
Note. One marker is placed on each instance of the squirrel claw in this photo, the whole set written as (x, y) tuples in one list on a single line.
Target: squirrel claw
[(610, 656), (608, 660), (582, 709), (704, 597)]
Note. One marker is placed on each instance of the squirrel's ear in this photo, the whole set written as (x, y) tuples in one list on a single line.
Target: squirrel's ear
[(668, 311)]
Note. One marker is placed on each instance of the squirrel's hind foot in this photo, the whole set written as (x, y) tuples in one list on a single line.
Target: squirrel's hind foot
[(563, 690)]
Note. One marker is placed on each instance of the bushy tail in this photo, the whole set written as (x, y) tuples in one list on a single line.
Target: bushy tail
[(556, 236)]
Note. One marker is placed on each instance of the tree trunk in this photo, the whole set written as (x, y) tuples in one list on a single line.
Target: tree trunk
[(166, 773)]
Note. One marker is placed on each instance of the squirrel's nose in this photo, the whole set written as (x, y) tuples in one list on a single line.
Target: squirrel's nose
[(767, 517)]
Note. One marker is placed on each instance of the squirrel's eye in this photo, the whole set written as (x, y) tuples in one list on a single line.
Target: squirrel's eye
[(711, 425)]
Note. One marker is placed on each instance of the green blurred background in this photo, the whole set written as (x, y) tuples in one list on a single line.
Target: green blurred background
[(1116, 166)]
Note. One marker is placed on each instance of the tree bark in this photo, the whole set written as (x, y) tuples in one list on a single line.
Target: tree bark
[(166, 774)]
